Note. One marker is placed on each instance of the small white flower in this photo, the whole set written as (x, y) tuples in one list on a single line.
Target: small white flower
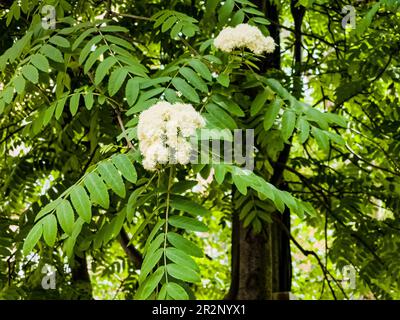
[(164, 130), (244, 36)]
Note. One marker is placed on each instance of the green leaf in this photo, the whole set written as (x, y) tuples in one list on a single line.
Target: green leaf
[(194, 79), (118, 222), (155, 244), (30, 73), (8, 94), (176, 292), (89, 100), (321, 138), (113, 29), (318, 117), (168, 23), (220, 171), (97, 189), (103, 69), (276, 86), (151, 93), (88, 48), (240, 183), (225, 11), (335, 138), (152, 234), (160, 17), (261, 20), (112, 177), (363, 25), (149, 263), (183, 244), (48, 114), (304, 128), (19, 84), (147, 83), (93, 58), (116, 80), (288, 124), (74, 103), (201, 68), (150, 284), (271, 113), (189, 29), (223, 79), (141, 105), (253, 11), (48, 208), (187, 205), (187, 223), (237, 18), (32, 238), (81, 202), (52, 53), (219, 114), (171, 96), (181, 258), (258, 102), (162, 295), (60, 41), (50, 229), (183, 273), (187, 91), (60, 107), (335, 118), (289, 201), (176, 29), (228, 104), (119, 42), (82, 37), (65, 216), (70, 242), (40, 62), (125, 166), (182, 186)]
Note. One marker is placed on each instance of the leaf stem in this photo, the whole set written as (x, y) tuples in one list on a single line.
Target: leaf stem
[(166, 220)]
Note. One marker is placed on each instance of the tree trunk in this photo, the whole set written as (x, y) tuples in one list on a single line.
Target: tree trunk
[(81, 279), (261, 264)]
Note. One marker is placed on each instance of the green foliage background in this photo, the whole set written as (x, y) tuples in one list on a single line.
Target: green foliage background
[(75, 196)]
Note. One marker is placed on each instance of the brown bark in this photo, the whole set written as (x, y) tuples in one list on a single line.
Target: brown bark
[(255, 282), (81, 279), (261, 264), (134, 255), (252, 276)]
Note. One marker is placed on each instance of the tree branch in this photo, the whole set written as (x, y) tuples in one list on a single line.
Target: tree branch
[(134, 255)]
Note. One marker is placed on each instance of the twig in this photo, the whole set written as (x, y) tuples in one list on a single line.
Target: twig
[(312, 253), (132, 16), (121, 124)]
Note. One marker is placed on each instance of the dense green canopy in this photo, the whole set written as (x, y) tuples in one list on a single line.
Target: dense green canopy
[(318, 215)]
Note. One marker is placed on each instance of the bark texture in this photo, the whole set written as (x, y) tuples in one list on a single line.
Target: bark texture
[(81, 279), (261, 264)]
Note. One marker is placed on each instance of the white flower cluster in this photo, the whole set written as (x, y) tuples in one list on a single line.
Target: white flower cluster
[(244, 36), (164, 130)]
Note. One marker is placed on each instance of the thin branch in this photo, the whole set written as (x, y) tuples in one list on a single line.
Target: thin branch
[(132, 16), (315, 255)]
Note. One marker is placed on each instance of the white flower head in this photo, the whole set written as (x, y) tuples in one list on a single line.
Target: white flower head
[(164, 130), (244, 36)]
